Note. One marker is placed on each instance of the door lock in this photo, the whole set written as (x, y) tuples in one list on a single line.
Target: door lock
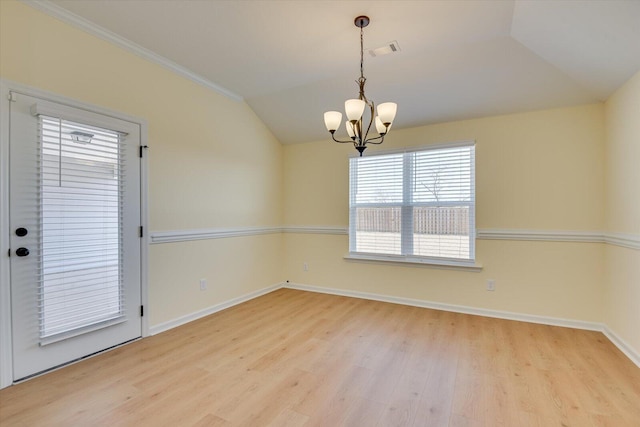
[(22, 251), (21, 232)]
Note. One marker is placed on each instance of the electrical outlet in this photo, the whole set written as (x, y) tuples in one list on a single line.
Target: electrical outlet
[(203, 284), (305, 266), (491, 285)]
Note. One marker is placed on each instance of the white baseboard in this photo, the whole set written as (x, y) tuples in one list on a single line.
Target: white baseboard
[(633, 355), (165, 326), (553, 321), (622, 345)]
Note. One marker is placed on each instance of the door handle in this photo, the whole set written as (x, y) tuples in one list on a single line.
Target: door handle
[(22, 251)]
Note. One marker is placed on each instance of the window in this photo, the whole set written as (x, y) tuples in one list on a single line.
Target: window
[(81, 180), (415, 205)]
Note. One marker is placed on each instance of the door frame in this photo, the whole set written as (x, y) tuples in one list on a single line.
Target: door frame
[(6, 350)]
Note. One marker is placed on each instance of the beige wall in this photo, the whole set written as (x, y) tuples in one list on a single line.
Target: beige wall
[(622, 177), (534, 171), (233, 267), (212, 162), (560, 280), (539, 171)]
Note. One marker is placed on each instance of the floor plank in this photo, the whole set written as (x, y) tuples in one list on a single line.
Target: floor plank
[(294, 358)]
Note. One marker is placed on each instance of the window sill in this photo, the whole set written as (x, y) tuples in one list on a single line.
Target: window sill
[(415, 261)]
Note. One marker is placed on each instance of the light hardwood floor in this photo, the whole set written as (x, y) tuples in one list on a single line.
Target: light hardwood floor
[(293, 358)]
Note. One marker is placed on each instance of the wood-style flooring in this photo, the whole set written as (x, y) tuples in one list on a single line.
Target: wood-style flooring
[(293, 358)]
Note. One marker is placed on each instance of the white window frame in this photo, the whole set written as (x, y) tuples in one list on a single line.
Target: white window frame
[(407, 256)]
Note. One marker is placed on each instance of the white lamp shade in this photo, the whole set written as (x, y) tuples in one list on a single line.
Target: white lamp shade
[(332, 120), (349, 127), (387, 112), (380, 127), (354, 108)]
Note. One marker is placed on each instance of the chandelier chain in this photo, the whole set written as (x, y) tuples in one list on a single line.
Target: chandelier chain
[(361, 53), (361, 81)]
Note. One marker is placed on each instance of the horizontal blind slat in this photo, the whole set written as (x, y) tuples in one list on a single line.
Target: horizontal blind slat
[(438, 193), (81, 208), (97, 294)]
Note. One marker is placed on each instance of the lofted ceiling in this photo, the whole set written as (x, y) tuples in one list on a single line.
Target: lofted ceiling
[(292, 60)]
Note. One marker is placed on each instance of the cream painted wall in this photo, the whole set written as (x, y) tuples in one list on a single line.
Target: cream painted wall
[(622, 177), (212, 162), (622, 114), (560, 280), (536, 171), (541, 170), (220, 261)]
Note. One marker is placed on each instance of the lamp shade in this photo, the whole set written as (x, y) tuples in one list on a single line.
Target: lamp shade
[(354, 109), (332, 120), (380, 127), (387, 112), (349, 127)]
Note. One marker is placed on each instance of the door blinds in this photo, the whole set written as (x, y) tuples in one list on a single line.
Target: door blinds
[(81, 195)]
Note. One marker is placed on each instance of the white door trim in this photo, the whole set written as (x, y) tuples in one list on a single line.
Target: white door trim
[(6, 360)]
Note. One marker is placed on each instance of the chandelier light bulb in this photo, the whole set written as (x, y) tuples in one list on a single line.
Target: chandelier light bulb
[(349, 126), (332, 120), (380, 127), (387, 112), (354, 109)]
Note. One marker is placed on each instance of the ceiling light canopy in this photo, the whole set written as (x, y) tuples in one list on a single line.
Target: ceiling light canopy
[(355, 110)]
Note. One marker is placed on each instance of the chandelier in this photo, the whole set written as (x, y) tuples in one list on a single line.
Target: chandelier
[(355, 110)]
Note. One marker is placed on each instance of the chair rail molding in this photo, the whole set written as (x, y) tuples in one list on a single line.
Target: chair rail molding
[(171, 236), (630, 241), (540, 235)]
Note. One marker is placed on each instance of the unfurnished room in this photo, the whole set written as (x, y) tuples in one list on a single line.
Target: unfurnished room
[(320, 213)]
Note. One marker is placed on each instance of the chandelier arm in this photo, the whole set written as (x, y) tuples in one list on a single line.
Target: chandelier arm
[(341, 142), (357, 129), (375, 140), (370, 104), (371, 141)]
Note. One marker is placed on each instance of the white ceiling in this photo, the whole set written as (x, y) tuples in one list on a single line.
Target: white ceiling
[(293, 60)]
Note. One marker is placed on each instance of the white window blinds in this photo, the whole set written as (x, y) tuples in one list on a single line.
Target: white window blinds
[(414, 204), (80, 188)]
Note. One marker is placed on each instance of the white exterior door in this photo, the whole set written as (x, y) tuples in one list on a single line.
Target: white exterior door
[(74, 219)]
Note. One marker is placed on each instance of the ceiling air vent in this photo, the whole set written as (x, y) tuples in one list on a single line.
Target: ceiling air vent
[(391, 47)]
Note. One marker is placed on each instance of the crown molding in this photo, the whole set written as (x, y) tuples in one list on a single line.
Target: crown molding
[(87, 26)]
